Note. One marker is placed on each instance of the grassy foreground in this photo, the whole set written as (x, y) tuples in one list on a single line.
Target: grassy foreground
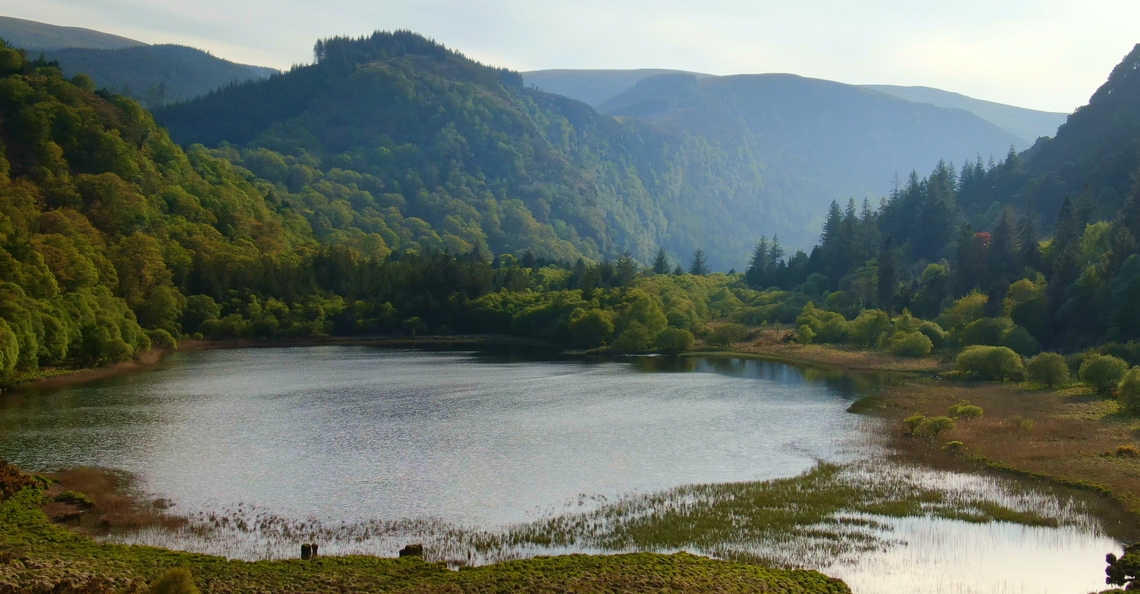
[(37, 556)]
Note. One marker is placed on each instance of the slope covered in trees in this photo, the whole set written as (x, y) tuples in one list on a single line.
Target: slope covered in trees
[(155, 75)]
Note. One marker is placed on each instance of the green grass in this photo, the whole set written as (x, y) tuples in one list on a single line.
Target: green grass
[(36, 555)]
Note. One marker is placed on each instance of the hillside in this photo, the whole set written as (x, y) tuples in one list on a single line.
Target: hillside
[(814, 141), (1027, 124), (592, 87), (155, 74), (33, 35)]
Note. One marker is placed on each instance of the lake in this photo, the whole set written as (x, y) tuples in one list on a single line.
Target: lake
[(368, 447)]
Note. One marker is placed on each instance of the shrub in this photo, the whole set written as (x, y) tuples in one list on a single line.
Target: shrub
[(590, 328), (932, 426), (161, 339), (955, 446), (987, 331), (634, 339), (912, 423), (1048, 369), (1128, 390), (869, 328), (935, 333), (965, 410), (75, 498), (1126, 451), (1103, 372), (914, 344), (990, 363), (726, 334), (13, 481), (175, 581), (1020, 341), (674, 340)]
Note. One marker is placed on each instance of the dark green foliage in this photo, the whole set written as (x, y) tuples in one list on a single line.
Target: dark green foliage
[(75, 498), (1103, 372), (1124, 571), (726, 334), (673, 341), (154, 75), (1048, 369), (699, 265), (1128, 390)]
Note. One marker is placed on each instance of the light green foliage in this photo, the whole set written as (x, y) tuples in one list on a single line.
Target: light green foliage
[(1026, 305), (1103, 372), (1128, 390), (990, 363), (934, 332), (590, 328), (965, 410), (984, 331), (175, 581), (825, 326), (1048, 369), (933, 426), (913, 422), (724, 335), (870, 328), (636, 338), (912, 344), (674, 341), (964, 311)]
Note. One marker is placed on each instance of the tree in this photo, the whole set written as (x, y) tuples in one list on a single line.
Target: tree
[(1048, 369), (674, 341), (661, 263), (1027, 239), (699, 265), (887, 280), (1103, 372)]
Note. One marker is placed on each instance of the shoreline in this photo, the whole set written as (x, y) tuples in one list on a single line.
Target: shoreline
[(56, 377)]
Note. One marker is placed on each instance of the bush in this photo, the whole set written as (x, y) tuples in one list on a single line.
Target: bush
[(75, 498), (935, 333), (590, 328), (673, 341), (1020, 341), (913, 423), (726, 334), (1128, 390), (987, 331), (634, 339), (965, 410), (932, 426), (869, 328), (914, 344), (1103, 372), (1048, 369), (161, 339), (175, 581), (990, 363)]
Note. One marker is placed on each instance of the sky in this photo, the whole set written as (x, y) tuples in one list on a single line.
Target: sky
[(1042, 54)]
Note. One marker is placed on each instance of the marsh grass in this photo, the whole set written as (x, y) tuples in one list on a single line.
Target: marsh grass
[(829, 512)]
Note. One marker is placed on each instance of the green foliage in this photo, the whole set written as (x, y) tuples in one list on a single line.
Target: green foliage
[(934, 332), (174, 581), (591, 328), (1103, 372), (75, 498), (990, 363), (1020, 341), (911, 344), (821, 325), (1048, 369), (933, 426), (870, 328), (724, 335), (985, 331), (161, 339), (674, 341), (965, 410), (636, 338), (1128, 390)]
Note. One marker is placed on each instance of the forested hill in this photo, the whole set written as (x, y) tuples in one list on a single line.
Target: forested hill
[(155, 74), (106, 226), (397, 135)]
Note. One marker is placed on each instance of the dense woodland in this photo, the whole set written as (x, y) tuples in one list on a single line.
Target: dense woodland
[(114, 239)]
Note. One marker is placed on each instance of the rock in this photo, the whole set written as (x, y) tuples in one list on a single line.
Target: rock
[(413, 550), (306, 551), (315, 546)]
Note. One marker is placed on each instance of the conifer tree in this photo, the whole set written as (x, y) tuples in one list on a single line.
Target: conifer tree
[(661, 262), (699, 265), (887, 278), (754, 275), (1027, 238)]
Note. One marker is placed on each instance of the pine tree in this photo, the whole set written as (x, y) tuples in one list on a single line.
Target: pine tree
[(1066, 232), (678, 271), (699, 265), (887, 278), (1001, 259), (1027, 238), (967, 262), (755, 275), (661, 263)]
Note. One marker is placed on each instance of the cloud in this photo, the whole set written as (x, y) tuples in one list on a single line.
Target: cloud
[(1046, 54)]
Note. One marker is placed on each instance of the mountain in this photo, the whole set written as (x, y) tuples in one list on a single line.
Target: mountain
[(597, 86), (155, 74), (1027, 124), (592, 86), (812, 141), (32, 35), (1093, 159)]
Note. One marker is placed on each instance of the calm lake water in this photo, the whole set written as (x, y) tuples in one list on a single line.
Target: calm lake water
[(342, 435)]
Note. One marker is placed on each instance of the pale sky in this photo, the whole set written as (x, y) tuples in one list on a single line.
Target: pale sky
[(1042, 54)]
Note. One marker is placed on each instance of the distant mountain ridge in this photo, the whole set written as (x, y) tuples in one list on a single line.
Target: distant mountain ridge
[(155, 74), (595, 87), (33, 35)]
